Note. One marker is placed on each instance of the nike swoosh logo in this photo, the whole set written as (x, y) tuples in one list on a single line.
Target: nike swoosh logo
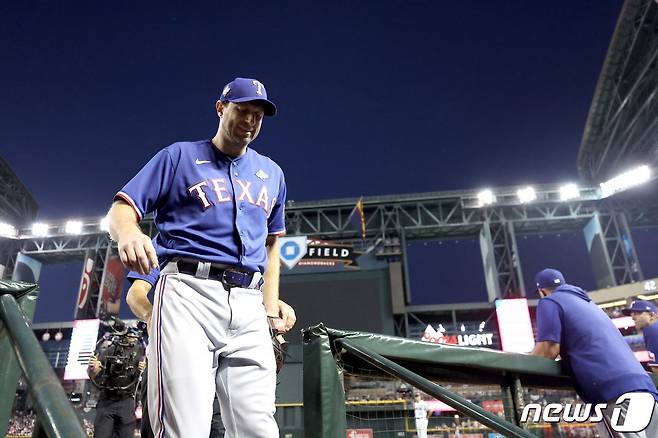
[(202, 161)]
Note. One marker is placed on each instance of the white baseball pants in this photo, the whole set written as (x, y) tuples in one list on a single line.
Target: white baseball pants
[(206, 340)]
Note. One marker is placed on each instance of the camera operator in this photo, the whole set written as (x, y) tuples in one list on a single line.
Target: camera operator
[(115, 369)]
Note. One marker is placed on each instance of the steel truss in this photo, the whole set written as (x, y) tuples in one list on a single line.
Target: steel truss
[(620, 248), (622, 126), (393, 221), (17, 206)]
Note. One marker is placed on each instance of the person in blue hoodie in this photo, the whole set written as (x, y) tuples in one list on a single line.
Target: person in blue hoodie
[(592, 350)]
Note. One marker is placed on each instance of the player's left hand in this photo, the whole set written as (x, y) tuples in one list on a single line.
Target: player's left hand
[(142, 366)]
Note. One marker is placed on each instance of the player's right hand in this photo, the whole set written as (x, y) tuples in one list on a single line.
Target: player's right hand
[(136, 251)]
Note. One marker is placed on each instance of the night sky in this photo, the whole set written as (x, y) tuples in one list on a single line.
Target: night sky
[(374, 98)]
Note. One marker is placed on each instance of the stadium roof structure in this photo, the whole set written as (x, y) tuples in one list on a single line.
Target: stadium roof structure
[(17, 205), (622, 125)]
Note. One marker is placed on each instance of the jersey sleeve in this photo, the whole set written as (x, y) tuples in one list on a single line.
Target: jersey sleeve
[(549, 323), (147, 189), (151, 278), (276, 222)]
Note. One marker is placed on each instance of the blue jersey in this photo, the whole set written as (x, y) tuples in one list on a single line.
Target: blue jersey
[(650, 334), (151, 278), (592, 349), (209, 206)]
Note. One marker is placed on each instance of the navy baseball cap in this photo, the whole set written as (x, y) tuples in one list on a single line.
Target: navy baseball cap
[(247, 90), (640, 306), (549, 279)]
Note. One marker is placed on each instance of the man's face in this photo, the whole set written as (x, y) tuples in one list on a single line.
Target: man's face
[(241, 121), (543, 293), (642, 319)]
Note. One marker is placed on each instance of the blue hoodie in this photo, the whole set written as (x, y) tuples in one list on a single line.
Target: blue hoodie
[(592, 349)]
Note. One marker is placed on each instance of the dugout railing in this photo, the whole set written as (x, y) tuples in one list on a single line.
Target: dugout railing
[(329, 354), (20, 352)]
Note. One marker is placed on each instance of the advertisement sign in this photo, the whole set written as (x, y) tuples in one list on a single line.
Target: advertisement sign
[(84, 282), (484, 339), (514, 325), (437, 406), (321, 253), (494, 406), (83, 344), (291, 250), (302, 251), (112, 285), (359, 433)]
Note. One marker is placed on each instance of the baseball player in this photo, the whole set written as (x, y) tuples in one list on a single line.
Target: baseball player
[(219, 208), (593, 351), (645, 316), (420, 414)]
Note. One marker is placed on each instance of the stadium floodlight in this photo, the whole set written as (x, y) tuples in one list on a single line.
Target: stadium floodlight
[(7, 230), (486, 197), (526, 194), (569, 191), (73, 227), (105, 224), (626, 180), (39, 229)]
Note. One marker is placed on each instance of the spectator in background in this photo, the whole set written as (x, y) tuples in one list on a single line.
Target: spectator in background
[(21, 423), (645, 316)]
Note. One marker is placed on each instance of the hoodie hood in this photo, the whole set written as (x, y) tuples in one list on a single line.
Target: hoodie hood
[(575, 290)]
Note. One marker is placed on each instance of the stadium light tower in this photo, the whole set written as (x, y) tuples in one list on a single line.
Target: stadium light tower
[(73, 227), (626, 180), (486, 197), (7, 230), (569, 191), (39, 229), (526, 194)]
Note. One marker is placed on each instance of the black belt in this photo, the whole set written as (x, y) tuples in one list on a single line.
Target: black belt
[(228, 276)]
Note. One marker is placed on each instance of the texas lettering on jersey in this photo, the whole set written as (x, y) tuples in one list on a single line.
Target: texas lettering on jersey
[(259, 197)]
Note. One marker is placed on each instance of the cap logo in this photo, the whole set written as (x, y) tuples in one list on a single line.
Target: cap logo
[(259, 90), (556, 281), (226, 90)]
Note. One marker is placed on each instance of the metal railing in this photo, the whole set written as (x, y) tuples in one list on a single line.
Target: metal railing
[(462, 405)]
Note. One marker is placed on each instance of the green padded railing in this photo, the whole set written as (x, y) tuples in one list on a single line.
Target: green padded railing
[(20, 351), (326, 350)]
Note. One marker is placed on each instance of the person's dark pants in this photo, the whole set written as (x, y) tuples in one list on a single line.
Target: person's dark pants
[(216, 426), (145, 430), (115, 418)]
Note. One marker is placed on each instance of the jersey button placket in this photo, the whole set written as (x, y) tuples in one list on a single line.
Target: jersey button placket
[(238, 206)]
